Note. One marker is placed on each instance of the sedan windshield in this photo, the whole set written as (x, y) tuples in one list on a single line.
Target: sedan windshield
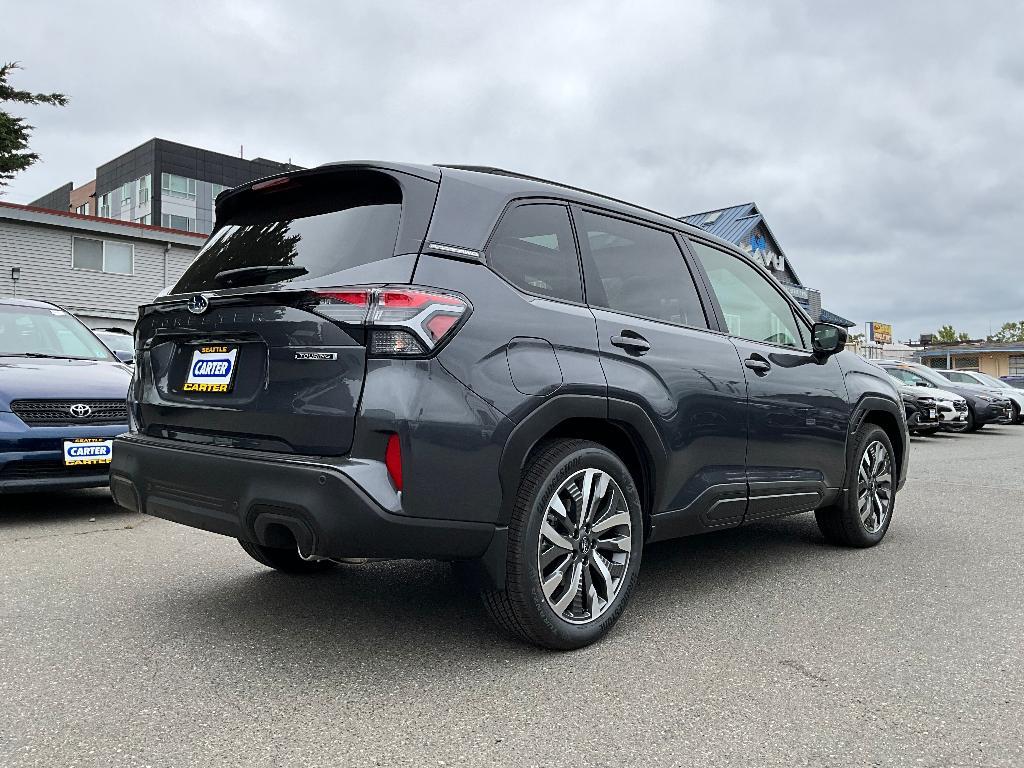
[(992, 381), (43, 332)]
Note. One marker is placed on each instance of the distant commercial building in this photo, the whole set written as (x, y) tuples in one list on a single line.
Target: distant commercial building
[(160, 183), (991, 357), (745, 226), (100, 270)]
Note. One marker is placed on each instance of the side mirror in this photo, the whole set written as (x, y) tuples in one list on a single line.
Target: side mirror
[(828, 339), (126, 357)]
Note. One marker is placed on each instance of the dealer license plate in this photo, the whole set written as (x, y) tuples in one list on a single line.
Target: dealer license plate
[(87, 450), (212, 369)]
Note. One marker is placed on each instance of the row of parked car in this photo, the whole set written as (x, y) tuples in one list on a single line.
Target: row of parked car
[(955, 401)]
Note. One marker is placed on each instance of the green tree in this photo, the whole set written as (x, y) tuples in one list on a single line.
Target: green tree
[(14, 131), (947, 334), (1009, 332)]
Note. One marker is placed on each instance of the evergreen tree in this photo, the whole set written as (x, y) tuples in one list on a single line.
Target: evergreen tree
[(14, 131)]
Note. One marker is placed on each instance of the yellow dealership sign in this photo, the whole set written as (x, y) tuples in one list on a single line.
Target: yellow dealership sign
[(881, 333)]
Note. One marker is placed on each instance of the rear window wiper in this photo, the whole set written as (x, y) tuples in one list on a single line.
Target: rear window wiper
[(233, 277)]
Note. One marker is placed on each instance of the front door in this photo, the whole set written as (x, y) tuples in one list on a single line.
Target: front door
[(658, 352), (798, 408)]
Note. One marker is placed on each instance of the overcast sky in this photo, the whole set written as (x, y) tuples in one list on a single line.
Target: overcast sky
[(882, 141)]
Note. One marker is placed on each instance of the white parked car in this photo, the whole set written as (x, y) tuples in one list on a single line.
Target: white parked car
[(952, 410), (975, 378)]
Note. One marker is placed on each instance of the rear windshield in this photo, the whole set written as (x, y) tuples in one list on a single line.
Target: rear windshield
[(300, 228), (44, 332)]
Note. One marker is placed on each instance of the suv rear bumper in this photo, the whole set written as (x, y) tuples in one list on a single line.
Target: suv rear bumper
[(252, 496)]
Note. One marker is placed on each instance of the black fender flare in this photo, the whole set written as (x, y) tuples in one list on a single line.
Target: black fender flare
[(561, 408), (870, 403)]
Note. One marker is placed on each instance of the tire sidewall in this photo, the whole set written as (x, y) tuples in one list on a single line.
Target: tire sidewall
[(563, 633)]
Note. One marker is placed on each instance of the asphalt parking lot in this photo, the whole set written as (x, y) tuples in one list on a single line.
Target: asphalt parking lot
[(129, 641)]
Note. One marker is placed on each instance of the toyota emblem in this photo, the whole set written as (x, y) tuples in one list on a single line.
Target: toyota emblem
[(198, 304), (80, 410)]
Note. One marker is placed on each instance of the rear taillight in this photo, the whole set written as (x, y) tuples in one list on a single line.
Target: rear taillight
[(401, 321)]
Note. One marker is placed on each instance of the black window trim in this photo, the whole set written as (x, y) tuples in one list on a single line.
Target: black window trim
[(798, 314), (710, 318), (521, 202)]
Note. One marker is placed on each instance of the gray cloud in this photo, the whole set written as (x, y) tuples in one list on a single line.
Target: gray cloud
[(881, 140)]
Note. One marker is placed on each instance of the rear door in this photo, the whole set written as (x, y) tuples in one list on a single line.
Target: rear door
[(799, 411), (659, 352), (262, 344)]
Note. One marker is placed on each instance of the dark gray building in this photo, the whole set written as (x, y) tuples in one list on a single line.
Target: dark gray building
[(163, 183), (744, 226)]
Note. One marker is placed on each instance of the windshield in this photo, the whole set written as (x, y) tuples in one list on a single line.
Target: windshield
[(961, 378), (907, 376), (44, 332), (301, 228), (119, 342), (992, 381)]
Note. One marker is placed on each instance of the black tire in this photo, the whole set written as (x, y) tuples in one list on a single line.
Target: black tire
[(284, 560), (972, 423), (1016, 414), (521, 609), (841, 524)]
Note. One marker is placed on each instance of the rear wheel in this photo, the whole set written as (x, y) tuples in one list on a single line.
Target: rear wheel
[(863, 517), (575, 543), (285, 560)]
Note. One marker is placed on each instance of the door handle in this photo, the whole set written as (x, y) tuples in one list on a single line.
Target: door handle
[(632, 342), (758, 365)]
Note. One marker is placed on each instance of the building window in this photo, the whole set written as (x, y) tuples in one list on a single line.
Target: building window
[(111, 256), (178, 186), (1016, 365), (83, 209), (966, 362), (144, 183), (105, 205), (215, 189), (126, 194), (147, 219), (171, 221)]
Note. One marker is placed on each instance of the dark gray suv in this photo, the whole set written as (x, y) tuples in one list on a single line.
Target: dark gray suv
[(466, 364)]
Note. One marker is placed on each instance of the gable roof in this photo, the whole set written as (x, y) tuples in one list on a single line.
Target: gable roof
[(734, 224)]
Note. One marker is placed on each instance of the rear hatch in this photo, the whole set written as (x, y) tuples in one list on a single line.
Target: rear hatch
[(253, 348)]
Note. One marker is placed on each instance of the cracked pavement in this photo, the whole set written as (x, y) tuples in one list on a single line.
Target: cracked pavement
[(130, 641)]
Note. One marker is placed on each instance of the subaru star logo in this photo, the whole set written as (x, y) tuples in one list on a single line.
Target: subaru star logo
[(80, 410), (198, 304)]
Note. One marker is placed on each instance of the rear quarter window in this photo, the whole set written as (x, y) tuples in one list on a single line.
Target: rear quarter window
[(534, 249)]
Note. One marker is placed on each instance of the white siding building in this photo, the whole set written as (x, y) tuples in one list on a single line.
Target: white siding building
[(99, 269)]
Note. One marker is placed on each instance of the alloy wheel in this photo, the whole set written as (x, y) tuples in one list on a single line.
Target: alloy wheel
[(586, 538), (874, 486)]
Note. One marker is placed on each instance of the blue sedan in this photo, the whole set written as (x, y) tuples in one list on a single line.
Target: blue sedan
[(63, 398)]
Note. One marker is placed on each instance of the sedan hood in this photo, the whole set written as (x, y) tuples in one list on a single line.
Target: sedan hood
[(40, 379)]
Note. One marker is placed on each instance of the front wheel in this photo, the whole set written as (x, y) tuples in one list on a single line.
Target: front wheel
[(862, 517), (574, 548)]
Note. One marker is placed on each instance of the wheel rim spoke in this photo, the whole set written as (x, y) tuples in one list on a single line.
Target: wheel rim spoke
[(572, 587), (548, 532), (612, 521)]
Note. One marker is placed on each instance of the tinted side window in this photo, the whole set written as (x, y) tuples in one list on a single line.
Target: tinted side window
[(640, 271), (534, 249), (753, 308)]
